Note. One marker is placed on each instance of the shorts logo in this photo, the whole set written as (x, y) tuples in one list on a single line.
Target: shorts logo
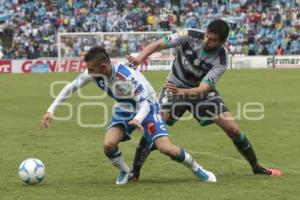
[(5, 66), (151, 128)]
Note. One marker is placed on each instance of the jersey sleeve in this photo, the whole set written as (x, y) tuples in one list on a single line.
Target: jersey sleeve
[(196, 33), (182, 37), (81, 80), (175, 39), (140, 95), (144, 109), (139, 90), (214, 75)]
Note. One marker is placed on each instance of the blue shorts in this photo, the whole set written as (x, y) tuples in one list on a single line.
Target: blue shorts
[(153, 124)]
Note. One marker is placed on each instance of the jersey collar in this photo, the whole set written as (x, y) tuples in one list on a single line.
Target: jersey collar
[(205, 53)]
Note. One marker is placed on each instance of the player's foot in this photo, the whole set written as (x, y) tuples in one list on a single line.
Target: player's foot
[(133, 177), (205, 175), (122, 178), (264, 171)]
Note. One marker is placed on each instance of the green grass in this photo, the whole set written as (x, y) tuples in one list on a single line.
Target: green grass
[(78, 169)]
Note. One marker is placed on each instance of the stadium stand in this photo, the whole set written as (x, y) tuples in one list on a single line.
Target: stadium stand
[(28, 27)]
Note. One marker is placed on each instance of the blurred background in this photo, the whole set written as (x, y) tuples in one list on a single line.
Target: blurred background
[(29, 28)]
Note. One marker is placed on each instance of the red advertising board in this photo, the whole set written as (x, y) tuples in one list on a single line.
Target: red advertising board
[(5, 66)]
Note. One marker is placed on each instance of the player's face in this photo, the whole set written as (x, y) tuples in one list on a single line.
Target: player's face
[(211, 41)]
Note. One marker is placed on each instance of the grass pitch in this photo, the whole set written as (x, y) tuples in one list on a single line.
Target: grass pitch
[(77, 168)]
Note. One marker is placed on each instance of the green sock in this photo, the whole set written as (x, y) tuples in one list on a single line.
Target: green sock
[(245, 148)]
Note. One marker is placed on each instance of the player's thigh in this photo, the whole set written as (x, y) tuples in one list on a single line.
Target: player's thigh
[(226, 122), (113, 136), (120, 121), (173, 107), (154, 128), (207, 110)]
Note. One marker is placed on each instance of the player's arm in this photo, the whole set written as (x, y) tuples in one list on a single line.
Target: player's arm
[(147, 51), (65, 94), (144, 109), (207, 84), (201, 91), (140, 96), (164, 43)]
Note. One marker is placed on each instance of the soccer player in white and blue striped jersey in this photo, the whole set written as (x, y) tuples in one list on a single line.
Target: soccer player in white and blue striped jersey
[(136, 107)]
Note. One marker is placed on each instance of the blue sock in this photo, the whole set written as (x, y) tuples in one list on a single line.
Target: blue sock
[(181, 156)]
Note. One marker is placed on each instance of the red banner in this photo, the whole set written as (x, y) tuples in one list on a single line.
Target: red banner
[(5, 66)]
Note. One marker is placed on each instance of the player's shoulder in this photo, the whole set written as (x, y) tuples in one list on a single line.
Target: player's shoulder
[(84, 77), (85, 74), (123, 71), (186, 35), (223, 56), (196, 33)]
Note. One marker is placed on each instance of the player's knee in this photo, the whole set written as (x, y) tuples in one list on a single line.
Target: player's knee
[(109, 146), (112, 151)]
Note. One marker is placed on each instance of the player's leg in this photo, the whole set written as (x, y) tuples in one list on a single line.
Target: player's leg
[(213, 110), (226, 122), (156, 135), (142, 152), (165, 146), (170, 115), (114, 135)]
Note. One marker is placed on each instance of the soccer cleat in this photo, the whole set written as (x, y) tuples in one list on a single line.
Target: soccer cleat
[(205, 175), (133, 177), (275, 172), (264, 171), (122, 178)]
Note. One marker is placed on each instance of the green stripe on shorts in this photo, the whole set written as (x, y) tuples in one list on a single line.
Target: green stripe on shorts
[(205, 122)]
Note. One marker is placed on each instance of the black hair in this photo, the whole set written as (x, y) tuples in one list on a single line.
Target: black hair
[(220, 28), (97, 53)]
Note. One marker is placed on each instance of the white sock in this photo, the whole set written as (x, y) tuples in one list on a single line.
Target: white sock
[(190, 162), (120, 163)]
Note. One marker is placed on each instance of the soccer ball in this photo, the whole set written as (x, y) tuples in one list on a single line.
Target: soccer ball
[(32, 171)]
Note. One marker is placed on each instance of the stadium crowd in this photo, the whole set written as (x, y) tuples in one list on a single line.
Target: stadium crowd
[(258, 27)]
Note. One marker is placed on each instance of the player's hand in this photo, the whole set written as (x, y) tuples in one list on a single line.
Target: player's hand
[(171, 88), (137, 124), (46, 120), (134, 61)]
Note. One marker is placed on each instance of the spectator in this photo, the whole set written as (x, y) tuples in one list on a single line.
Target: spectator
[(279, 51), (253, 22), (265, 51)]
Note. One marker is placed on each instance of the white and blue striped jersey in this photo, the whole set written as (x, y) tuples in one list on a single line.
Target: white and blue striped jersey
[(129, 88)]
